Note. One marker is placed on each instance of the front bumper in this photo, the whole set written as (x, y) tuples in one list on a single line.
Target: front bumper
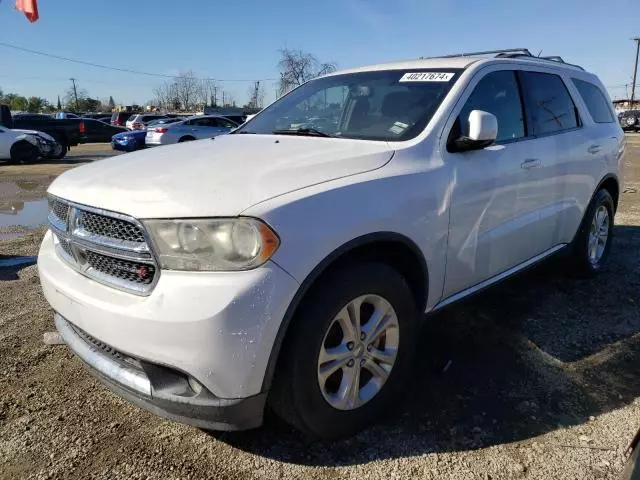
[(216, 327), (160, 390)]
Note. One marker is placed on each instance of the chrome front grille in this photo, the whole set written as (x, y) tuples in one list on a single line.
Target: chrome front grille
[(109, 227), (135, 272), (108, 247), (59, 210)]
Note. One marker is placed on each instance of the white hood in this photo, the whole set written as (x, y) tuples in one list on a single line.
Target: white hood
[(220, 177)]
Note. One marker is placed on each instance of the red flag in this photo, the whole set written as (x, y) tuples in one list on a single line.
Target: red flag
[(29, 8)]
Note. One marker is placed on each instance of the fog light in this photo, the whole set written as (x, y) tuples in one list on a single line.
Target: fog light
[(195, 385)]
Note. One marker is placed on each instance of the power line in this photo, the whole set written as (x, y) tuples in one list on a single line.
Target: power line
[(117, 69)]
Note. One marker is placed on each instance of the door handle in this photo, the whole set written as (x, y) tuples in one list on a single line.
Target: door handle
[(593, 149), (530, 163)]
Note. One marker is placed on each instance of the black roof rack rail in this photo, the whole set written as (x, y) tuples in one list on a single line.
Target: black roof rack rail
[(522, 51), (551, 58), (512, 53)]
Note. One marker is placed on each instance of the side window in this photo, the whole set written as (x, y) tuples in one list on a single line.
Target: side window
[(224, 123), (549, 105), (206, 122), (497, 93), (595, 100)]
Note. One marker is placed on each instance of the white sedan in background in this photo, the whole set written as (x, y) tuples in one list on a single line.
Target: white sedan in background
[(192, 128)]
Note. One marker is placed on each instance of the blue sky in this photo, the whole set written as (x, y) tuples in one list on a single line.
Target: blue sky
[(234, 40)]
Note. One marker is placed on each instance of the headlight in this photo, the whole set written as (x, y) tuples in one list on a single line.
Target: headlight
[(215, 244)]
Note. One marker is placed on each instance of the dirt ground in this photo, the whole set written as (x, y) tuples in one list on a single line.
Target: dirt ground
[(537, 378)]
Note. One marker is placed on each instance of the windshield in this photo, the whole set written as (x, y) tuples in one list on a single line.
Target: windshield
[(390, 105)]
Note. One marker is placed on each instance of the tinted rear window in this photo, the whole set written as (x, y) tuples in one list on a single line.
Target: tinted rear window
[(595, 100), (549, 105)]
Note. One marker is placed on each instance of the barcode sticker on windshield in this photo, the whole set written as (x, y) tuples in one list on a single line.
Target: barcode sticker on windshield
[(426, 77)]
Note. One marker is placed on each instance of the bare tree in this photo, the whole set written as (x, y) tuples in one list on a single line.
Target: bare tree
[(186, 89), (297, 67), (228, 99), (256, 95), (166, 96), (208, 92)]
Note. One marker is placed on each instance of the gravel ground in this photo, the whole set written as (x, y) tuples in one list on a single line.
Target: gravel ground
[(538, 378)]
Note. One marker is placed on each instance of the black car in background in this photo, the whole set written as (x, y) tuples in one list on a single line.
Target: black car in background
[(96, 131), (630, 120)]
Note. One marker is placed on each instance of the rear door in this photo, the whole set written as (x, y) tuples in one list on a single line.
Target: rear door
[(560, 155)]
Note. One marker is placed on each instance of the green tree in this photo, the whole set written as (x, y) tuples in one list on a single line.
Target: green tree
[(87, 104), (17, 103), (112, 103), (59, 103), (36, 104)]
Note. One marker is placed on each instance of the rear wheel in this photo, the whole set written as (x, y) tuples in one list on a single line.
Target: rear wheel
[(592, 243), (59, 150), (348, 353), (24, 152)]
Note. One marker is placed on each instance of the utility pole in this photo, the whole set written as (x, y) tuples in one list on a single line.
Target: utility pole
[(223, 100), (214, 97), (635, 71), (75, 91)]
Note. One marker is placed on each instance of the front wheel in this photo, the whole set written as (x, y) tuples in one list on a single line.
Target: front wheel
[(592, 243), (348, 353), (24, 152)]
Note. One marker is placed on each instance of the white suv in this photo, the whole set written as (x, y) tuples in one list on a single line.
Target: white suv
[(290, 262)]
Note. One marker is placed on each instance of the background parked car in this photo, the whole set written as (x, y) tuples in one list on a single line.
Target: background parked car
[(66, 132), (24, 146), (97, 116), (63, 115), (119, 119), (96, 131), (192, 128), (239, 119), (129, 140), (139, 121), (630, 120)]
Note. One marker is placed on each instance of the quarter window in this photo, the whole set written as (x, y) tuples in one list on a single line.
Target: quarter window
[(595, 100), (497, 93), (549, 105)]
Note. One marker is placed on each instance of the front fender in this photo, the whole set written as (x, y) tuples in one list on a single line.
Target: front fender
[(316, 221)]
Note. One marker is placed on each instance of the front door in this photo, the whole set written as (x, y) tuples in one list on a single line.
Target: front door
[(493, 221)]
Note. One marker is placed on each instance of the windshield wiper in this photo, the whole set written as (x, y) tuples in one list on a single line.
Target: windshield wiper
[(309, 132), (242, 132)]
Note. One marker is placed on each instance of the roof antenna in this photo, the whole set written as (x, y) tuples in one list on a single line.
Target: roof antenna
[(539, 53)]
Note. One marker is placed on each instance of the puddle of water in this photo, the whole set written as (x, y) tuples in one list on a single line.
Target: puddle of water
[(10, 266), (13, 262), (26, 214)]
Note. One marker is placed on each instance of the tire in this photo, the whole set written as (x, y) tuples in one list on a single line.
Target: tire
[(24, 152), (60, 150), (297, 395), (186, 139), (587, 263)]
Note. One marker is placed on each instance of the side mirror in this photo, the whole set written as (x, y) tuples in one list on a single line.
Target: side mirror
[(483, 131)]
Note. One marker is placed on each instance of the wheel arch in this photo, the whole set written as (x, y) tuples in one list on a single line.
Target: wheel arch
[(610, 183), (392, 248)]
